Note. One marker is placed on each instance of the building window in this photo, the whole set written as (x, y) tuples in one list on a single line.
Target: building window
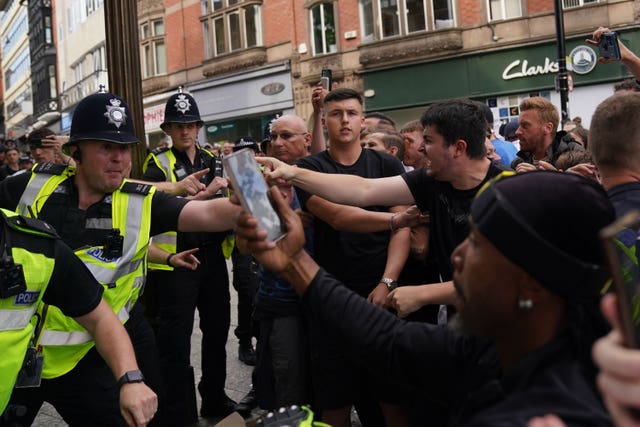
[(504, 9), (17, 70), (230, 25), (577, 3), (323, 29), (153, 52), (16, 32), (380, 19)]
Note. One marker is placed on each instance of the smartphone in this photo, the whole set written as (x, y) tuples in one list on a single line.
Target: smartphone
[(608, 45), (621, 248), (249, 185), (326, 78)]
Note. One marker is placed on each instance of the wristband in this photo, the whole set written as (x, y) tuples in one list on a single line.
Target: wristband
[(168, 262), (391, 227)]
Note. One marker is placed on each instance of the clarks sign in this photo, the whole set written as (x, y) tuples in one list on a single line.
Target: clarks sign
[(522, 68), (582, 60)]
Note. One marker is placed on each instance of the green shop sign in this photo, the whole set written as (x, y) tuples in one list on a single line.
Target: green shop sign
[(525, 69)]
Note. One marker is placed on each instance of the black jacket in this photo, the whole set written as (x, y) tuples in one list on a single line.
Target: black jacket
[(436, 364), (559, 146)]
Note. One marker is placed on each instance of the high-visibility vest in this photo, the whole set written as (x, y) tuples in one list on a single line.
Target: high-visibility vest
[(17, 319), (64, 341), (166, 161)]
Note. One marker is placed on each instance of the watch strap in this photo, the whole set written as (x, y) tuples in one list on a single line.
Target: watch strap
[(134, 376)]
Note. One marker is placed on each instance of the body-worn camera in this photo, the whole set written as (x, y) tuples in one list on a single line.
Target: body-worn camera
[(11, 278), (326, 78), (608, 45), (113, 244)]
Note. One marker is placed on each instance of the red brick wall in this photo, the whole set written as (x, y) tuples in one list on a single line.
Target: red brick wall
[(470, 12), (184, 38), (537, 6)]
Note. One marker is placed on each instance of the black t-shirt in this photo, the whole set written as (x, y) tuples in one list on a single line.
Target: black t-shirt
[(448, 209), (74, 224), (202, 160), (6, 171), (358, 259), (625, 197)]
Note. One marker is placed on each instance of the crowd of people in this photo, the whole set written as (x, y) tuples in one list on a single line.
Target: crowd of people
[(445, 272)]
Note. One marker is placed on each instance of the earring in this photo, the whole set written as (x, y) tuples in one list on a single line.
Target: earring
[(525, 304)]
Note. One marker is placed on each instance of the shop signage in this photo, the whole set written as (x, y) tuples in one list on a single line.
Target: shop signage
[(520, 68), (272, 88)]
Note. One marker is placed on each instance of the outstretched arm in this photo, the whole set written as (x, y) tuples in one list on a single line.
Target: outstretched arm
[(344, 189), (627, 57), (138, 403)]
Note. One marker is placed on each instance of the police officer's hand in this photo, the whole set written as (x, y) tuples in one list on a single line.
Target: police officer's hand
[(138, 404), (218, 183), (185, 259), (191, 185), (252, 240)]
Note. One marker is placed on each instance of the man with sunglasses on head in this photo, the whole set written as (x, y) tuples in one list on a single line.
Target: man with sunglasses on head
[(179, 291)]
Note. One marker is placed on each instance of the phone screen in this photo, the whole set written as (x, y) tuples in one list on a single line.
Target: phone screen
[(622, 247), (252, 190)]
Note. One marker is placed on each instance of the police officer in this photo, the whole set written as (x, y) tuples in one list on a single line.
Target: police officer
[(37, 270), (107, 221), (180, 291)]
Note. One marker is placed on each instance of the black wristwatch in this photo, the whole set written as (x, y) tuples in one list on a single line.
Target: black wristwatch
[(131, 377), (391, 284)]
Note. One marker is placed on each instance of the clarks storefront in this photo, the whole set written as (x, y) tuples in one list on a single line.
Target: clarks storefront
[(501, 78)]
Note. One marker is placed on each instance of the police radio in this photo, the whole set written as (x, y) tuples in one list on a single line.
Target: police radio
[(12, 280), (113, 244)]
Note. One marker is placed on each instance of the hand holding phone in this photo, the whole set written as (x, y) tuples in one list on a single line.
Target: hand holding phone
[(622, 247), (252, 191), (608, 46), (326, 78)]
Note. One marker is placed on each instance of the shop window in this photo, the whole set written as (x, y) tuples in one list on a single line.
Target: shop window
[(153, 51), (323, 29), (504, 9), (230, 25), (380, 19), (566, 4)]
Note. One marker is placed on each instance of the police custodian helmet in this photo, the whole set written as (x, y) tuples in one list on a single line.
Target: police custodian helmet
[(181, 108), (102, 117)]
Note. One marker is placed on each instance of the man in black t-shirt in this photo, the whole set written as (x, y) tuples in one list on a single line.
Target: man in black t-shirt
[(345, 243), (454, 134)]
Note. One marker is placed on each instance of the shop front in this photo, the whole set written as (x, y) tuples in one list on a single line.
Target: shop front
[(499, 78), (242, 104)]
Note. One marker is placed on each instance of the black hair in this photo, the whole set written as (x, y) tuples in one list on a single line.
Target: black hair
[(77, 155), (459, 119), (382, 116), (342, 94)]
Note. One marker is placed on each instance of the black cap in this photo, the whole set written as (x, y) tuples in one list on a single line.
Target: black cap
[(246, 142), (102, 117), (558, 243), (181, 108)]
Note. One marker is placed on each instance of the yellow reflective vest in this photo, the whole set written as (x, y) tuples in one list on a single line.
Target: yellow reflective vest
[(166, 161), (17, 319), (64, 341)]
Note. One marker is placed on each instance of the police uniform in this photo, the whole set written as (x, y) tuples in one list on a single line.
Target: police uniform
[(180, 291), (52, 275), (111, 238)]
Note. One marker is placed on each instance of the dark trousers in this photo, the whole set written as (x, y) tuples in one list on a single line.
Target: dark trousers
[(245, 282), (182, 291), (88, 394)]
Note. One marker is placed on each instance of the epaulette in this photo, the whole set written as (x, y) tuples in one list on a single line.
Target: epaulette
[(160, 150), (32, 226), (136, 187), (206, 152), (50, 168)]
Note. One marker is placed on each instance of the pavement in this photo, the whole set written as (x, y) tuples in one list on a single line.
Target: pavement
[(238, 374)]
